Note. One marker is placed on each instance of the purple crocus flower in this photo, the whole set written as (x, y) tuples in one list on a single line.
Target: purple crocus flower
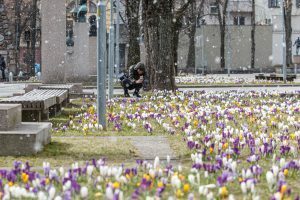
[(67, 195)]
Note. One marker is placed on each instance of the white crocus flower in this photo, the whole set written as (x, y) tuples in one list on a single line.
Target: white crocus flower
[(89, 170), (84, 192), (175, 182), (51, 193), (191, 179), (270, 179), (156, 162), (244, 188), (109, 193)]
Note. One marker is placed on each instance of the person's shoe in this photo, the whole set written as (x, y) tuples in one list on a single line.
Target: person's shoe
[(127, 95), (137, 95)]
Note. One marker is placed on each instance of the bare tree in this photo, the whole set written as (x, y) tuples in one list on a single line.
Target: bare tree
[(176, 27), (194, 12), (222, 11), (288, 31), (22, 17), (158, 21), (253, 28), (34, 11), (132, 14)]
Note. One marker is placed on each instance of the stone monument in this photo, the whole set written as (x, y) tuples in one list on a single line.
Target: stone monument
[(17, 138), (77, 60), (53, 16), (296, 61)]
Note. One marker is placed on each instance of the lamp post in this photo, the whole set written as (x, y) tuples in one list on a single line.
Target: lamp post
[(117, 39), (111, 63), (203, 63), (101, 63), (283, 43), (228, 40)]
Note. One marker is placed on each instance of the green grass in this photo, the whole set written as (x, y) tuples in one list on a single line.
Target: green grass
[(63, 151)]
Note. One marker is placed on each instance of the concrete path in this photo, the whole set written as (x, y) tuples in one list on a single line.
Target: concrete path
[(218, 89), (151, 146), (148, 146), (7, 90)]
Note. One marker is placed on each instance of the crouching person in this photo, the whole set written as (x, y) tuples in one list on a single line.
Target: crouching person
[(133, 80)]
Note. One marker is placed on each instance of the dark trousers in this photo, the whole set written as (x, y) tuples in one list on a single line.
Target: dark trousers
[(3, 74), (135, 86)]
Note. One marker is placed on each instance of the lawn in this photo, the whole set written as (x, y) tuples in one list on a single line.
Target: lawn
[(229, 145)]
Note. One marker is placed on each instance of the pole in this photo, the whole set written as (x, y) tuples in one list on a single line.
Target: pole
[(111, 63), (202, 50), (117, 39), (283, 43), (101, 63), (228, 40)]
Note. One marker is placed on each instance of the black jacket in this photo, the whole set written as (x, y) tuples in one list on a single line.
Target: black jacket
[(2, 63), (133, 74)]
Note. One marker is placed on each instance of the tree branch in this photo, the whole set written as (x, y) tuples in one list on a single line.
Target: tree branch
[(181, 10)]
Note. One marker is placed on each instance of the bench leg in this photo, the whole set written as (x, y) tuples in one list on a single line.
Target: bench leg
[(45, 115), (58, 109), (65, 102), (52, 111), (31, 116)]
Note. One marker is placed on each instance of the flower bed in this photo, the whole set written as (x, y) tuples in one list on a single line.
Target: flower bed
[(244, 145), (223, 80)]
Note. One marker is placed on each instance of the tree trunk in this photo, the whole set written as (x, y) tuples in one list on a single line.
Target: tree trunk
[(222, 24), (132, 13), (175, 31), (191, 31), (165, 69), (150, 25), (157, 19), (253, 28), (288, 32), (33, 36), (18, 33), (222, 49), (158, 27), (191, 53)]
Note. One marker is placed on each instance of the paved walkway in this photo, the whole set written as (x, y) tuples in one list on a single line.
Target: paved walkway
[(7, 90), (148, 146), (218, 89)]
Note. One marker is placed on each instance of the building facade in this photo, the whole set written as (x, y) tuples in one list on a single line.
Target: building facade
[(17, 59), (268, 13), (271, 11)]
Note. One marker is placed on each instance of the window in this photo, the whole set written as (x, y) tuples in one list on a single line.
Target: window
[(213, 8), (298, 3), (239, 20), (27, 35), (274, 4)]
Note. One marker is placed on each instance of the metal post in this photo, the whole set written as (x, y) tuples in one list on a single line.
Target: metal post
[(101, 63), (117, 38), (283, 44), (202, 50), (111, 63), (228, 40)]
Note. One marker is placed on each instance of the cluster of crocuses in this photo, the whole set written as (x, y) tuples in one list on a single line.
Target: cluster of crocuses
[(96, 180), (217, 79), (236, 138)]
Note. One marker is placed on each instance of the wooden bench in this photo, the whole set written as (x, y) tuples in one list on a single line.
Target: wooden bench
[(37, 105), (275, 77), (62, 97), (71, 87)]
